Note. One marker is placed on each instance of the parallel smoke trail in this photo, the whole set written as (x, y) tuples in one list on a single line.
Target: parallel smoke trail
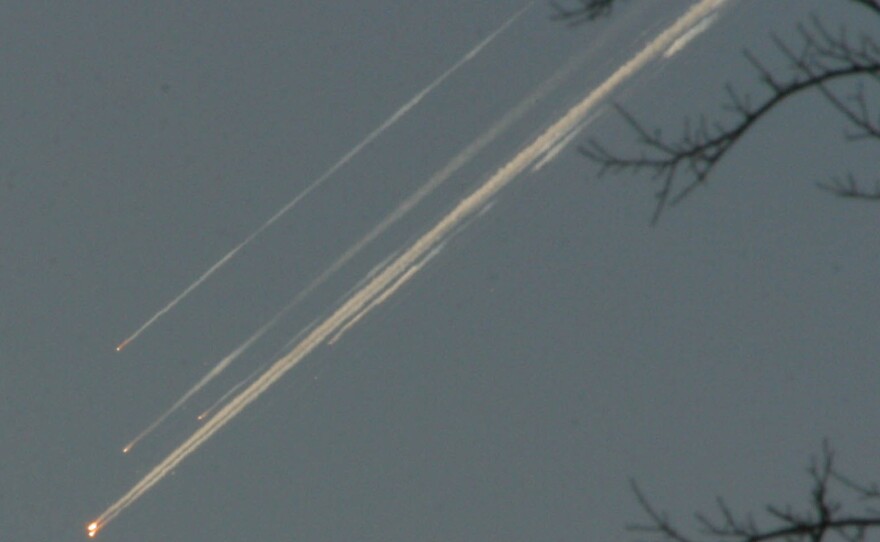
[(383, 296), (389, 122), (690, 35), (551, 153), (229, 392), (211, 375), (467, 207), (436, 180)]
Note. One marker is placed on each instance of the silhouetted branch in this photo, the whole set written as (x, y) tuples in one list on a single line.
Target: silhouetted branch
[(851, 188), (660, 524), (588, 10), (822, 59), (823, 516), (870, 4)]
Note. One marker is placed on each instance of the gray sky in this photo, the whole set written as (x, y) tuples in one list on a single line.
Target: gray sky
[(555, 348)]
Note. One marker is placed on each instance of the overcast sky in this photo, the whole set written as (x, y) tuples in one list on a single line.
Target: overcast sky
[(555, 348)]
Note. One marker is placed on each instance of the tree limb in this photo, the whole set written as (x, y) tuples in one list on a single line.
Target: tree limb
[(822, 60), (589, 10), (822, 518)]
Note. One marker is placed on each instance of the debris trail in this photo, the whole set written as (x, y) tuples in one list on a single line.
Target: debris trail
[(229, 392), (389, 122), (469, 206), (436, 180)]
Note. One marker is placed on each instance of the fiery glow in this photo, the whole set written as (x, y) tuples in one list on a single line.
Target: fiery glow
[(122, 345), (92, 529)]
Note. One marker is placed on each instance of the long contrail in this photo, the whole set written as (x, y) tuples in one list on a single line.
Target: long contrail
[(434, 182), (690, 35), (389, 122), (209, 376), (421, 247), (229, 393), (383, 296), (550, 154)]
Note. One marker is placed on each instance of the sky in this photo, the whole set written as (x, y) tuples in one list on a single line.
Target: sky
[(556, 347)]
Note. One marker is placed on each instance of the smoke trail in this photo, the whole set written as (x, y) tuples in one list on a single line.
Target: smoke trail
[(229, 392), (467, 207), (551, 153), (209, 376), (390, 121), (689, 36), (436, 180), (383, 296)]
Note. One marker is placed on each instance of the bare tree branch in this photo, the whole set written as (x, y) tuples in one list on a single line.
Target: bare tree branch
[(821, 62), (870, 4), (851, 188), (660, 524), (823, 517), (588, 10)]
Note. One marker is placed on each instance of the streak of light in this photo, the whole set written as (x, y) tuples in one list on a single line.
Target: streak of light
[(379, 299), (381, 296), (209, 376), (422, 246), (370, 274), (229, 392), (388, 292), (212, 374), (689, 36), (436, 180), (296, 338), (388, 123), (551, 153), (486, 208)]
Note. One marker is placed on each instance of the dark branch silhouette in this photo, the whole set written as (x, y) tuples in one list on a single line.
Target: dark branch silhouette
[(870, 4), (820, 62), (822, 518), (851, 188), (588, 10)]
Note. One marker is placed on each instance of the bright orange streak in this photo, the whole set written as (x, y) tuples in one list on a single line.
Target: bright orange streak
[(122, 345), (92, 529)]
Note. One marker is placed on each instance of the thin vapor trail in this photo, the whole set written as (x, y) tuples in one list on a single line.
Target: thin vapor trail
[(436, 180), (689, 36), (229, 392), (380, 298), (389, 122), (551, 153), (466, 208), (209, 376), (383, 296)]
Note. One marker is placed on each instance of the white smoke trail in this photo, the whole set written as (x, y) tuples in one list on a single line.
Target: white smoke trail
[(436, 180), (383, 296), (389, 122), (551, 153), (229, 392), (689, 36), (213, 373), (466, 208), (209, 376)]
